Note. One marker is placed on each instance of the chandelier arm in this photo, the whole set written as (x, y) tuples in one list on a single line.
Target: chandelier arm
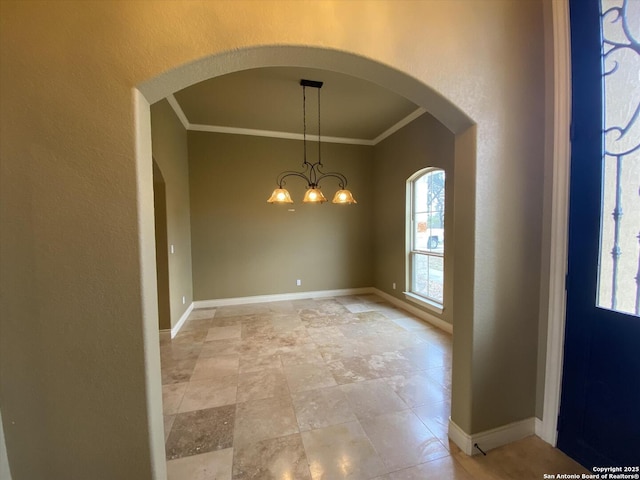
[(280, 180), (342, 180)]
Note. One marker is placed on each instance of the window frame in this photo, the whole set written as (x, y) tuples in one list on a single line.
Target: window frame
[(411, 292)]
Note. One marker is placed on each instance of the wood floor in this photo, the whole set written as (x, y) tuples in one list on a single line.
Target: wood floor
[(526, 459)]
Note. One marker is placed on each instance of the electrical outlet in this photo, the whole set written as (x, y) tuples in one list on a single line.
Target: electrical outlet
[(298, 282), (393, 285), (184, 299), (173, 250)]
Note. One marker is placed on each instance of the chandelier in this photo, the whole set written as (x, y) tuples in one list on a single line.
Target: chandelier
[(311, 172)]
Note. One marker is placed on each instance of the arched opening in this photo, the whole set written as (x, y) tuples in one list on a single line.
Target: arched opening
[(443, 110)]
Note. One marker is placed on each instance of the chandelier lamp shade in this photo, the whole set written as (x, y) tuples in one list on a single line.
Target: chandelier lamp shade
[(311, 172)]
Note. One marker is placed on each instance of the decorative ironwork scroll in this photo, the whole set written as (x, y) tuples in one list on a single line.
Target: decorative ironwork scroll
[(620, 21)]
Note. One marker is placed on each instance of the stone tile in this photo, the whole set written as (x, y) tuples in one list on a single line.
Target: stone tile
[(424, 356), (296, 355), (340, 452), (216, 366), (342, 349), (436, 337), (325, 334), (202, 313), (201, 431), (286, 323), (308, 376), (329, 306), (402, 440), (275, 458), (230, 321), (216, 465), (168, 423), (202, 324), (375, 316), (266, 383), (284, 342), (389, 312), (321, 408), (389, 363), (397, 341), (371, 298), (260, 329), (359, 307), (189, 338), (213, 392), (348, 299), (240, 310), (282, 307), (178, 371), (441, 375), (418, 389), (223, 333), (165, 338), (436, 419), (357, 369), (176, 352), (220, 347), (262, 419), (411, 323), (372, 398), (442, 468), (255, 362), (172, 397), (361, 329), (352, 369)]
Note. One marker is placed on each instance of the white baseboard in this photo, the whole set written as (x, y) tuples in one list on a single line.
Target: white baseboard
[(426, 316), (539, 427), (279, 297), (176, 328), (491, 439)]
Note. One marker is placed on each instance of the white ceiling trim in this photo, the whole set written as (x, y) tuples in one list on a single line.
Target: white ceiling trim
[(178, 109), (274, 134), (405, 121), (288, 135)]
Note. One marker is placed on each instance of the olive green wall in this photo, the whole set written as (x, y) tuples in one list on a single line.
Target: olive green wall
[(243, 246), (425, 142), (162, 248), (169, 146)]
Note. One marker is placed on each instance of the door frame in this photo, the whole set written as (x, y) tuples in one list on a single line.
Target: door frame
[(558, 36)]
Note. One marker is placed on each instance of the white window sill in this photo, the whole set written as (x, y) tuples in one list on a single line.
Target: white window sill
[(423, 302)]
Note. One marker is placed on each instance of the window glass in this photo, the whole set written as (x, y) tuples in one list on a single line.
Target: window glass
[(427, 204), (619, 269)]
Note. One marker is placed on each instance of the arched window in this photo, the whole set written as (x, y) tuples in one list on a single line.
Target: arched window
[(426, 197)]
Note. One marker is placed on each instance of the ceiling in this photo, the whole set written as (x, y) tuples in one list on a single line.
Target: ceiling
[(268, 102)]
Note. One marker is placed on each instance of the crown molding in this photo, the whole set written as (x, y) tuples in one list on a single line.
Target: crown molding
[(288, 135)]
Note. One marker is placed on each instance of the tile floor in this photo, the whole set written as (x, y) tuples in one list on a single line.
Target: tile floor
[(345, 387)]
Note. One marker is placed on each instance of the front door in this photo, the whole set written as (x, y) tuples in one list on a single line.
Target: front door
[(599, 422)]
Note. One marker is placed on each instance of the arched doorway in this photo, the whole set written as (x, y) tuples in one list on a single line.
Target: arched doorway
[(422, 95)]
